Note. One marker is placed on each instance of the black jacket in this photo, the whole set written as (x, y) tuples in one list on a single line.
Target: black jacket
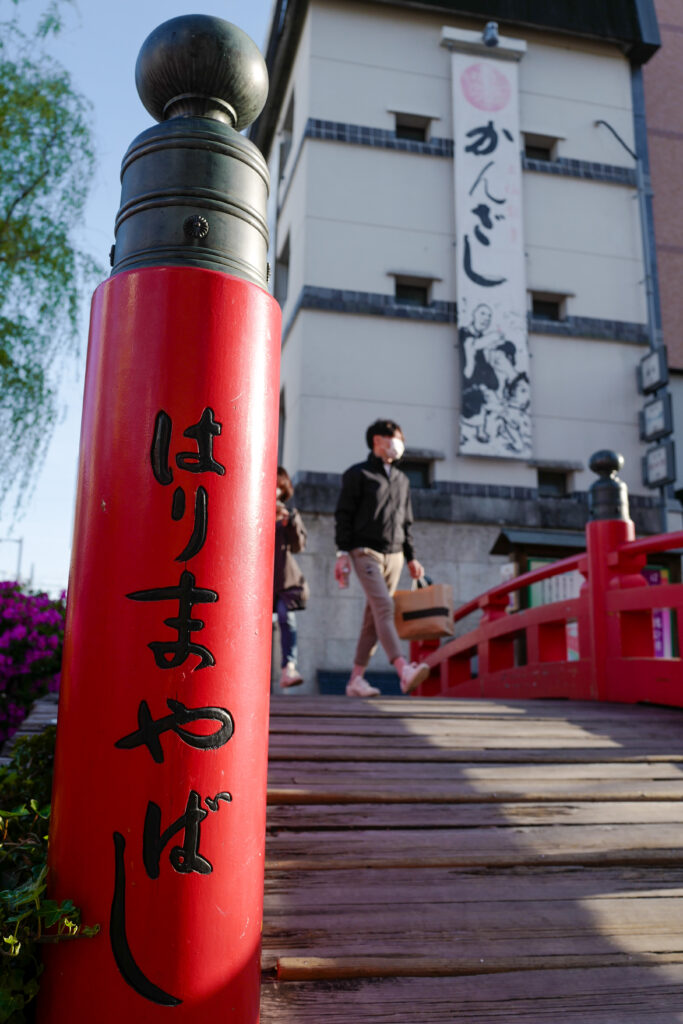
[(374, 511)]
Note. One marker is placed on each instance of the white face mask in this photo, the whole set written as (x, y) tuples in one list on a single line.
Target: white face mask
[(395, 448)]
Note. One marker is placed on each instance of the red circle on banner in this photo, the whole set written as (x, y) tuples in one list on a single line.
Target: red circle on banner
[(485, 87)]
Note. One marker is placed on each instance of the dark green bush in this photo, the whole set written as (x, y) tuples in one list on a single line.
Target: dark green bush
[(27, 917)]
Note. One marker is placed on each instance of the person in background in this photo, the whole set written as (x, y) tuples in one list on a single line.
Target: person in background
[(374, 517), (290, 590)]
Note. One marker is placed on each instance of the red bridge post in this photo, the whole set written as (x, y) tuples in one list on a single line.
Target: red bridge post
[(160, 776), (605, 635)]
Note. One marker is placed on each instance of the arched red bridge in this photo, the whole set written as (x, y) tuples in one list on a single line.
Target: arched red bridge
[(528, 654)]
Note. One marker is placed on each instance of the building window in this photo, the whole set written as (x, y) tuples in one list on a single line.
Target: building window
[(547, 306), (412, 291), (413, 127), (552, 483), (281, 282), (540, 147), (282, 420), (418, 472), (286, 133)]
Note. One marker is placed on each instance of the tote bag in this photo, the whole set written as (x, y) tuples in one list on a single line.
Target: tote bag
[(425, 612)]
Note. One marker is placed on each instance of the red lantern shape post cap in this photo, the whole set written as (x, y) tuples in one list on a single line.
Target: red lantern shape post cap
[(202, 66)]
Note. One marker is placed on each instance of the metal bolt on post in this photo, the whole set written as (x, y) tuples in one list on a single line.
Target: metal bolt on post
[(158, 828)]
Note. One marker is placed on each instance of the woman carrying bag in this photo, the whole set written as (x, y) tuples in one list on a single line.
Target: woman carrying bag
[(290, 590)]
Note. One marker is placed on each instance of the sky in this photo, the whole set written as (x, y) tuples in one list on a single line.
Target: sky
[(98, 46)]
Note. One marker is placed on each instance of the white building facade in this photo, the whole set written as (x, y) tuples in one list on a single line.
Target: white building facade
[(375, 170)]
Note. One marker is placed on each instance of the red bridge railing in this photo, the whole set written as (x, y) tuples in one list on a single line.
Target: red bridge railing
[(525, 654)]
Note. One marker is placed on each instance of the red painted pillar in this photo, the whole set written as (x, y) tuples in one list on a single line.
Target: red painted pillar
[(603, 537), (160, 777)]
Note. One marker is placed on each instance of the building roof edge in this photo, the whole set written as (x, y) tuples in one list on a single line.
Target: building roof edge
[(631, 24)]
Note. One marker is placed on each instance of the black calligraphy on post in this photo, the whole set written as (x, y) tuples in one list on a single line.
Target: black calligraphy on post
[(205, 729)]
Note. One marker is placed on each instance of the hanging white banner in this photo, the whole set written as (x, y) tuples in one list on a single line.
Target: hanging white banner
[(495, 414)]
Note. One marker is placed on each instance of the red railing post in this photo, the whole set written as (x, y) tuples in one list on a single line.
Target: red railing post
[(603, 638), (494, 653)]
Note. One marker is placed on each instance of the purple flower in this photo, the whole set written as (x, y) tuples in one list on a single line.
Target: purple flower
[(31, 638)]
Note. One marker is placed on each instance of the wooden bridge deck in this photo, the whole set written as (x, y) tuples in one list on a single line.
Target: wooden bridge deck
[(462, 862)]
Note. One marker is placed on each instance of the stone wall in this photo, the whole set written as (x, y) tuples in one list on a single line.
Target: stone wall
[(328, 628)]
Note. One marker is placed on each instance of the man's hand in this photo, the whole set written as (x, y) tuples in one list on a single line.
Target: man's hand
[(415, 569), (342, 570)]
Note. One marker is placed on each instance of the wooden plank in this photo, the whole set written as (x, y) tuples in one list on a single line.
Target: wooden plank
[(444, 722), (312, 968), (308, 782), (656, 734), (290, 748), (435, 707), (558, 844), (522, 930), (308, 771), (606, 995), (486, 815), (437, 730), (416, 791), (304, 891)]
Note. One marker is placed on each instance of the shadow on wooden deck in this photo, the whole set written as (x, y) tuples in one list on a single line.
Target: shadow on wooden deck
[(473, 861)]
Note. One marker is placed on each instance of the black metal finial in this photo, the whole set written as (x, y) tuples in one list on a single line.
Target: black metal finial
[(608, 495), (201, 66)]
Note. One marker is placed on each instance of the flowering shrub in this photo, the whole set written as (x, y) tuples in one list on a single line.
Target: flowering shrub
[(31, 635)]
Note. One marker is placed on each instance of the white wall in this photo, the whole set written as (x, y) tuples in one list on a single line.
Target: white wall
[(583, 238), (370, 59), (356, 213), (334, 390)]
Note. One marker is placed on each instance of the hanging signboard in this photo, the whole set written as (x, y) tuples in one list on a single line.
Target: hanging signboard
[(653, 371), (656, 418), (659, 465), (495, 417)]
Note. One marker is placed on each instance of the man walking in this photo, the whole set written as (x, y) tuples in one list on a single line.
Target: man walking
[(374, 517)]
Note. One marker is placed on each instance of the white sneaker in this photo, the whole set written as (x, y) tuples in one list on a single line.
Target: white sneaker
[(412, 675), (359, 687), (289, 676)]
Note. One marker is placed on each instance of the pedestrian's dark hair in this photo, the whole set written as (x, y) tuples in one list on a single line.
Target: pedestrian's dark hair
[(383, 428), (284, 483)]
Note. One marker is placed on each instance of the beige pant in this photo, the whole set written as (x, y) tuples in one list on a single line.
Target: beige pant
[(378, 575)]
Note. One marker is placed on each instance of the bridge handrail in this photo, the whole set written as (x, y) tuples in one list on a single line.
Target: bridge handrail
[(651, 545), (518, 583), (614, 641), (646, 545)]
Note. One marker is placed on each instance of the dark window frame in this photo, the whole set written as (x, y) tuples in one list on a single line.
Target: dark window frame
[(552, 483), (540, 147), (281, 276), (549, 306), (286, 135), (412, 293), (418, 471), (412, 127)]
